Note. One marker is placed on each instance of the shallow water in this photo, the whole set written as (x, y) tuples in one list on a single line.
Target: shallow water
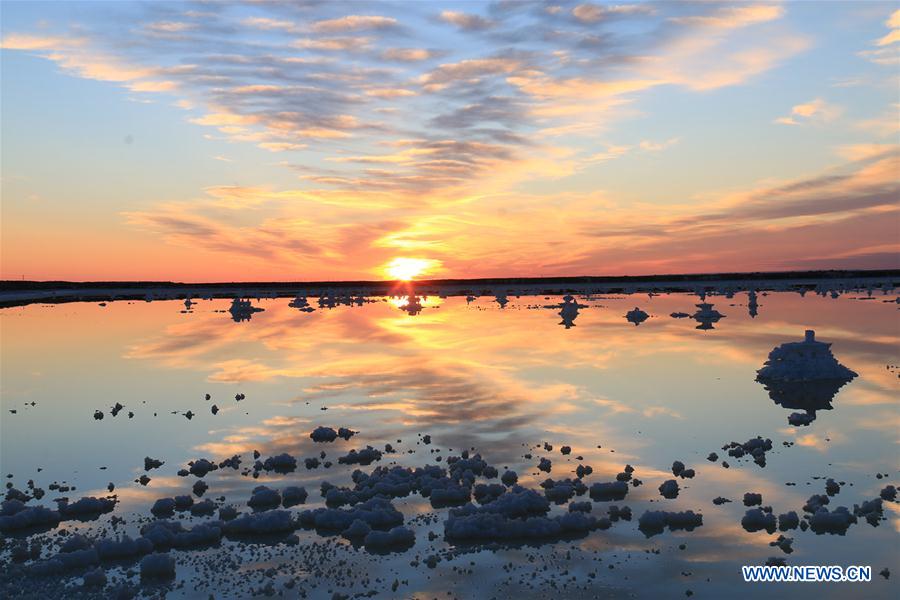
[(472, 375)]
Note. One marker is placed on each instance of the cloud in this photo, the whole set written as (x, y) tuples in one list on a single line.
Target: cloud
[(267, 23), (408, 54), (169, 26), (858, 152), (885, 125), (470, 69), (894, 36), (354, 23), (466, 21), (887, 51), (732, 17), (652, 146), (440, 143), (814, 111), (611, 153), (388, 93), (328, 82), (18, 41), (587, 13)]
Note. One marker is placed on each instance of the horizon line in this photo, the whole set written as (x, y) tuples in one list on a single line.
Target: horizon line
[(787, 274)]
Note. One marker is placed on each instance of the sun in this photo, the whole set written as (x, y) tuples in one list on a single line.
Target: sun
[(405, 269)]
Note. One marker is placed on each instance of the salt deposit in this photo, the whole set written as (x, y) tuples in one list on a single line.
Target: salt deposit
[(756, 448), (263, 498), (756, 519), (396, 539), (152, 463), (808, 360), (669, 489), (605, 492), (636, 316), (157, 566), (834, 522), (751, 499), (653, 522), (323, 434)]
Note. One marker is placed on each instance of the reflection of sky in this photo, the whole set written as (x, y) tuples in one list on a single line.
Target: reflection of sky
[(472, 376)]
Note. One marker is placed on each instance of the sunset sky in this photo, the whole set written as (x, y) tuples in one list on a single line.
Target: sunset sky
[(333, 140)]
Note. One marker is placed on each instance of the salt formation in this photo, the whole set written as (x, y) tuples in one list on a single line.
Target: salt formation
[(636, 316), (323, 434), (785, 543), (509, 478), (809, 360), (788, 520), (158, 566), (604, 492), (242, 310), (14, 515), (283, 463), (264, 498), (752, 305), (301, 303), (269, 522), (85, 507), (199, 488), (568, 311), (327, 434), (669, 489), (204, 509), (706, 315), (755, 447), (653, 522), (95, 578), (679, 470), (377, 513), (397, 539), (562, 491), (293, 495), (615, 513), (870, 510), (805, 376), (756, 519), (201, 467), (520, 514), (366, 456), (834, 522), (152, 463), (412, 306), (752, 499)]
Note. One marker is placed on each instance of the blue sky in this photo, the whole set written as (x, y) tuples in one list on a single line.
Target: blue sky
[(325, 140)]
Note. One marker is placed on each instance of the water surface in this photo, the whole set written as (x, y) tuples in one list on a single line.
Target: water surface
[(497, 380)]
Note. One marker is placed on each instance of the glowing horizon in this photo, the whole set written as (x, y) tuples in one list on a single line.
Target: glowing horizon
[(339, 141)]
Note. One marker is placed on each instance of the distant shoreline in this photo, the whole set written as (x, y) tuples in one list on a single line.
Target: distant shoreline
[(20, 293)]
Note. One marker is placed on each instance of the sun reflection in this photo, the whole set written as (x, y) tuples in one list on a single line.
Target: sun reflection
[(405, 269)]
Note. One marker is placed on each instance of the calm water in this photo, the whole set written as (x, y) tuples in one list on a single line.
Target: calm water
[(471, 375)]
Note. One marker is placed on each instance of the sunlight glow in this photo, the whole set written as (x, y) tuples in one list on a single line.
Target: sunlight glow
[(405, 269)]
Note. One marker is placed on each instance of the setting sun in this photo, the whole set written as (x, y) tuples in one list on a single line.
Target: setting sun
[(405, 269)]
